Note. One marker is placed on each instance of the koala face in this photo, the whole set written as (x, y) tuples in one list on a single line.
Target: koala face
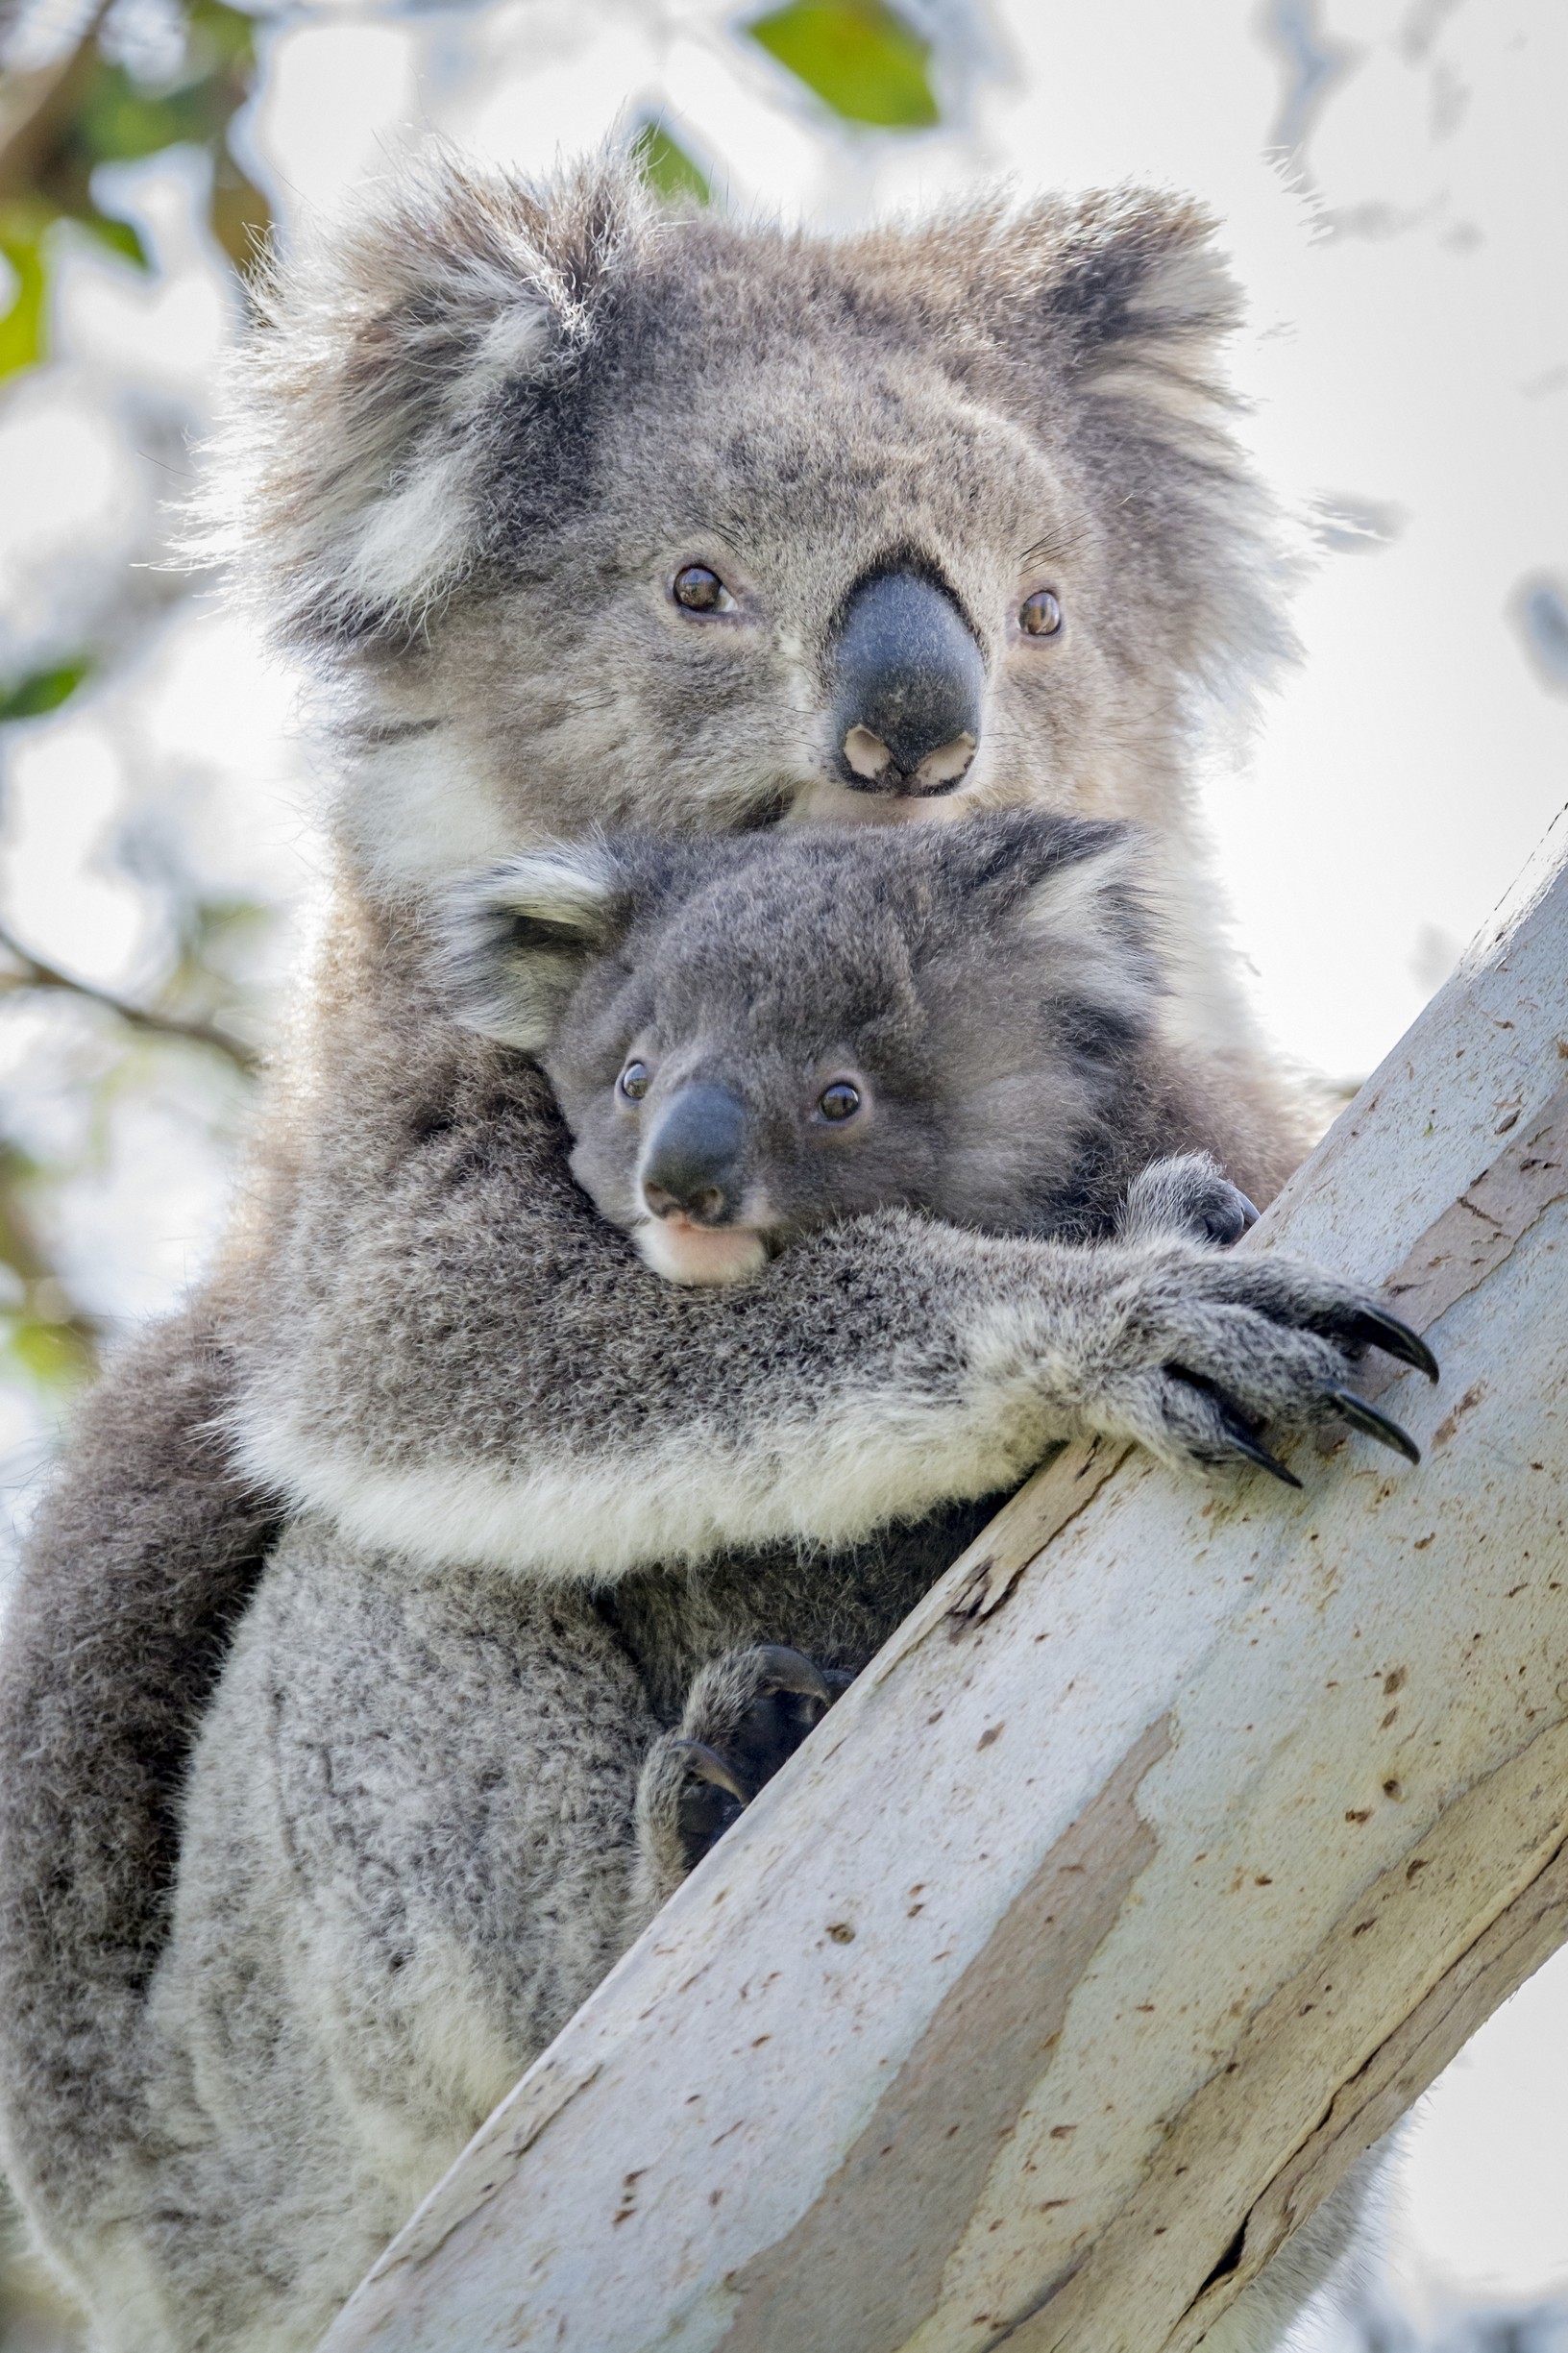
[(749, 1038), (599, 515)]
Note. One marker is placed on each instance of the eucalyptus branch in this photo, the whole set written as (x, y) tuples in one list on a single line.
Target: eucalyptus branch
[(32, 973)]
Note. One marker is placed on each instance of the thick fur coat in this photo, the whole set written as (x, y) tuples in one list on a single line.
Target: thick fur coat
[(334, 1693)]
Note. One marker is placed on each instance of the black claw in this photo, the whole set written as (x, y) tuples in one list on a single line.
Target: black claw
[(705, 1764), (1367, 1419), (791, 1671), (1238, 1434), (1243, 1442), (1376, 1328)]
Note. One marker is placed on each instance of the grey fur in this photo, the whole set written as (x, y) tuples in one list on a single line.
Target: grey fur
[(254, 1994), (992, 989)]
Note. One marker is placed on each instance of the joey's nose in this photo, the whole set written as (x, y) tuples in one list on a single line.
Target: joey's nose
[(692, 1160), (908, 686)]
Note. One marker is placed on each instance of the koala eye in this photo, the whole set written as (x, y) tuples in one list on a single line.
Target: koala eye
[(633, 1082), (700, 590), (1040, 615), (839, 1101)]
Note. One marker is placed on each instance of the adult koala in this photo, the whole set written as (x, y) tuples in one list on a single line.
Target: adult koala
[(588, 515)]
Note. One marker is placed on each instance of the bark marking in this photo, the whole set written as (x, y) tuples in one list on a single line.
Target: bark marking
[(863, 2266)]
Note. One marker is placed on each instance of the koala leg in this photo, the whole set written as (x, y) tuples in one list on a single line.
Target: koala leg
[(746, 1713), (1190, 1195), (406, 1857)]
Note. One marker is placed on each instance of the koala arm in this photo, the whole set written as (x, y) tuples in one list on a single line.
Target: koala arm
[(465, 1361)]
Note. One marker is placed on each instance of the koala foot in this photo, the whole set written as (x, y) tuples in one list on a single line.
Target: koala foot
[(1191, 1351), (1190, 1195), (744, 1714)]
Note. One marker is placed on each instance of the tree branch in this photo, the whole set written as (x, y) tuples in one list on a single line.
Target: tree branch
[(34, 973)]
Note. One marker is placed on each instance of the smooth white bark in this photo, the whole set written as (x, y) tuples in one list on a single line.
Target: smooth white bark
[(1154, 1868)]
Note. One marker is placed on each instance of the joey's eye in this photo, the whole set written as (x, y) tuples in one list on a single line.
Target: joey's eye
[(839, 1101), (633, 1081), (1040, 615), (700, 590)]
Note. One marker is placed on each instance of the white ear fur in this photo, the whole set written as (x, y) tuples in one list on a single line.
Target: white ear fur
[(1071, 902), (517, 940), (347, 484), (1080, 907), (1172, 321)]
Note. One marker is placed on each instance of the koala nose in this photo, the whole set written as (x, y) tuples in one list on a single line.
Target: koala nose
[(692, 1159), (909, 680)]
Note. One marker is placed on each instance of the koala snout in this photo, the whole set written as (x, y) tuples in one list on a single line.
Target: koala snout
[(908, 679), (692, 1160)]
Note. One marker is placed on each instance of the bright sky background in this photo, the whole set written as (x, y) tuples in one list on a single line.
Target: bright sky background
[(1408, 362)]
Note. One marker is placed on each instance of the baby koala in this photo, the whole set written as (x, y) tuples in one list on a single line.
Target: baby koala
[(752, 1036)]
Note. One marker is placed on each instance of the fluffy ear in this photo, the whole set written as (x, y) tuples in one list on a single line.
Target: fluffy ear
[(1109, 315), (1089, 905), (1142, 300), (348, 485), (517, 940), (1064, 886)]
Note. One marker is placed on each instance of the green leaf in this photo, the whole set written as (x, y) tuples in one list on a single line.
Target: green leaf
[(22, 321), (858, 56), (121, 124), (667, 167), (55, 1355), (113, 118), (44, 690), (118, 235)]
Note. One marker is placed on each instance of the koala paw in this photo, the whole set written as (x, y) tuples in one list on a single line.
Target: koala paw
[(1190, 1195), (1191, 1351), (746, 1713)]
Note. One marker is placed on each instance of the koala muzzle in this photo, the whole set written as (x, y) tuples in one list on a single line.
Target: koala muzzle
[(908, 684), (692, 1160)]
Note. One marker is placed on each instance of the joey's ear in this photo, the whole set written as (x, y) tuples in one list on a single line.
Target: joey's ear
[(1071, 888), (1085, 906), (351, 485), (1087, 890), (518, 938)]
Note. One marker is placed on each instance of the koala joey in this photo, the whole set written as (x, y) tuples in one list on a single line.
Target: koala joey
[(752, 1038), (344, 1688)]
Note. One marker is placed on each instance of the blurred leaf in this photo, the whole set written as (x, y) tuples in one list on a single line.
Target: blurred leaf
[(858, 56), (21, 323), (118, 235), (54, 1355), (240, 214), (44, 690), (67, 121), (46, 1336), (667, 167)]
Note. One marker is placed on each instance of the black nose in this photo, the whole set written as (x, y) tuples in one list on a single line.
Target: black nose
[(910, 675), (692, 1160)]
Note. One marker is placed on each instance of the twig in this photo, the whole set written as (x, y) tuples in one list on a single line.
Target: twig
[(35, 974)]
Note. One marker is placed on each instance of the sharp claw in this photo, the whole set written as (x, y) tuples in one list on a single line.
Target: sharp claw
[(1243, 1442), (1237, 1435), (1249, 1208), (1367, 1419), (790, 1671), (705, 1764), (1376, 1328)]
